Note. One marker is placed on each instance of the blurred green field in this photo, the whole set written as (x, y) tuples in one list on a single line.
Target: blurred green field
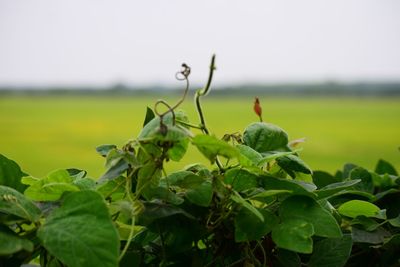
[(45, 133)]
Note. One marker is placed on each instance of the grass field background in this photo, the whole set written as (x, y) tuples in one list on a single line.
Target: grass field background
[(45, 133)]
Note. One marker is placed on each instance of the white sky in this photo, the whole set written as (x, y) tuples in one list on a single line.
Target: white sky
[(144, 42)]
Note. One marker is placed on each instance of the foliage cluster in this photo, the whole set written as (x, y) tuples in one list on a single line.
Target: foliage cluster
[(260, 206)]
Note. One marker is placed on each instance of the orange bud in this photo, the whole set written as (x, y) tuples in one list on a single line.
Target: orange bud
[(257, 108)]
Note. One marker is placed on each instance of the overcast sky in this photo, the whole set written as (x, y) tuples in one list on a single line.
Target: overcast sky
[(144, 42)]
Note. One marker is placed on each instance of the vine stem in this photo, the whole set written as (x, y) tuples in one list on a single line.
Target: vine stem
[(128, 242), (185, 74), (263, 252), (128, 186), (203, 92)]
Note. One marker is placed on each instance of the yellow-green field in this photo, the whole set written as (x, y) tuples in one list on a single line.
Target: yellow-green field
[(46, 133)]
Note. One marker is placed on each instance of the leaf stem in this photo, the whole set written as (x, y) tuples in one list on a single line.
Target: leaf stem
[(189, 124), (128, 242)]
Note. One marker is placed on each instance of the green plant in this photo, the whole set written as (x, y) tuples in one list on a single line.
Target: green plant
[(260, 206)]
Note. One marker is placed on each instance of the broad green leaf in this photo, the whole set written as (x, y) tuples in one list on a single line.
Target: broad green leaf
[(294, 235), (117, 162), (179, 149), (322, 179), (309, 210), (238, 199), (354, 208), (292, 164), (339, 175), (264, 137), (200, 195), (170, 134), (51, 187), (11, 243), (347, 168), (126, 208), (331, 252), (250, 154), (384, 167), (381, 215), (392, 241), (115, 171), (153, 126), (248, 227), (149, 116), (179, 235), (49, 260), (375, 237), (288, 258), (124, 230), (148, 151), (158, 210), (164, 194), (29, 180), (385, 193), (241, 179), (334, 188), (114, 189), (307, 185), (365, 223), (366, 183), (176, 139), (298, 188), (350, 194), (127, 211), (384, 181), (211, 147), (179, 137), (11, 174), (391, 203), (113, 157), (148, 176), (80, 233), (196, 189), (144, 238), (331, 209), (304, 177), (183, 179), (200, 170), (270, 156), (76, 173), (85, 183), (14, 203), (395, 221), (104, 149), (270, 193)]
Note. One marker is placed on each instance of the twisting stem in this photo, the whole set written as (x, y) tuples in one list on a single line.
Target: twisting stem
[(180, 76), (203, 92), (185, 77), (163, 114)]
